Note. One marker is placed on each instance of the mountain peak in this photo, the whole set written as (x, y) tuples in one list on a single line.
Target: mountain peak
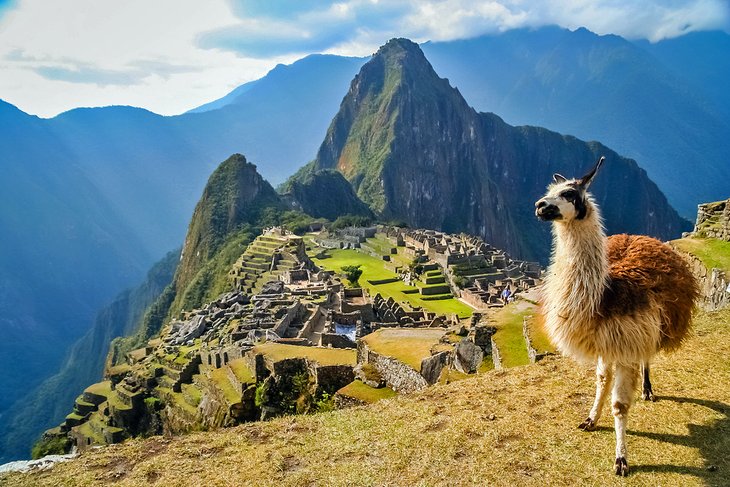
[(399, 45)]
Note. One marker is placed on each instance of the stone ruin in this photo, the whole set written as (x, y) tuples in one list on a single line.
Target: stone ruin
[(713, 220), (477, 270)]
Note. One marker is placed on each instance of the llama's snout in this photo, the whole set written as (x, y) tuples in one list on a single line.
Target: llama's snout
[(546, 211)]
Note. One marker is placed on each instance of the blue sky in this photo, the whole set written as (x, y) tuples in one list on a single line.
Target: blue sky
[(171, 55)]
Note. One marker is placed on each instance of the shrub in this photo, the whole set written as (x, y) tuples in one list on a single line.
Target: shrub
[(51, 445), (352, 273)]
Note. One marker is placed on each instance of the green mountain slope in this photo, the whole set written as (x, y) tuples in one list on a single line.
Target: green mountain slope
[(322, 194)]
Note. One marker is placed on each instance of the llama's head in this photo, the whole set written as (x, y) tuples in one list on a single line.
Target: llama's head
[(567, 199)]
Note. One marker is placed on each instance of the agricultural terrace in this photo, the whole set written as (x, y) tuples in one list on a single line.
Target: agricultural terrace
[(323, 356), (408, 345), (374, 270), (363, 392)]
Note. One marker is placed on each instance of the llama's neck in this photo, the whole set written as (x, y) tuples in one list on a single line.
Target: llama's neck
[(579, 271)]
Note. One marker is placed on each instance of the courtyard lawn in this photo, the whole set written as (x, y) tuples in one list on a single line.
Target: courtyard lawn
[(373, 269)]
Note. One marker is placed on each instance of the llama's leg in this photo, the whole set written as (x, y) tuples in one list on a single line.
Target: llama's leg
[(646, 392), (604, 376), (623, 395)]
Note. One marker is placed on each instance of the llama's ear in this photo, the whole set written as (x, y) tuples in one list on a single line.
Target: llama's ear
[(586, 180), (559, 178)]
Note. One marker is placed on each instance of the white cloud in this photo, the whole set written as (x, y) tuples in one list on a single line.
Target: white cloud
[(58, 55), (171, 55)]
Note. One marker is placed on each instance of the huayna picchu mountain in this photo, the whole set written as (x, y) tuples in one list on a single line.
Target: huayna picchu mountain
[(415, 151), (323, 194)]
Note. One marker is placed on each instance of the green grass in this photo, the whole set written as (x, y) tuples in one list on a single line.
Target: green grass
[(380, 244), (87, 430), (373, 269), (540, 340), (323, 356), (219, 377), (103, 388), (114, 400), (363, 392), (408, 345), (509, 339), (242, 371), (712, 252)]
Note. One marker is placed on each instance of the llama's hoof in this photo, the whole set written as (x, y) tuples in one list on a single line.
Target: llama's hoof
[(648, 396), (621, 467), (587, 425)]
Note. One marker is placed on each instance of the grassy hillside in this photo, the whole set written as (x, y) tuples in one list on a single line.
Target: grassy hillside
[(515, 427)]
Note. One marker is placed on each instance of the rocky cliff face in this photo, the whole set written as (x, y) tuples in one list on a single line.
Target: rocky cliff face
[(414, 150)]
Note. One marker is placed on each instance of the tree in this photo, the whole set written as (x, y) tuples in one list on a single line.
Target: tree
[(352, 273)]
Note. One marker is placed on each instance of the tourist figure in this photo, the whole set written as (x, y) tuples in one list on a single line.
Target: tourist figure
[(506, 295)]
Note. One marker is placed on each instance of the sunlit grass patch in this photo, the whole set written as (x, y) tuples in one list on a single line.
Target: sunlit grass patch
[(408, 345)]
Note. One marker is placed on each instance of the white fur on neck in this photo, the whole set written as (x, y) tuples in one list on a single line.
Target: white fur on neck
[(576, 279)]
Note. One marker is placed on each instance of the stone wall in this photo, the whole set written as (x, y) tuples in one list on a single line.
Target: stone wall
[(713, 284), (532, 352), (496, 357), (397, 375)]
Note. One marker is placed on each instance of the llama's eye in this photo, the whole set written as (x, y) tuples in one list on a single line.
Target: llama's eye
[(570, 194)]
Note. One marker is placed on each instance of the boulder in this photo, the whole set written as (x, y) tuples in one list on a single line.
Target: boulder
[(432, 366), (190, 330), (467, 356)]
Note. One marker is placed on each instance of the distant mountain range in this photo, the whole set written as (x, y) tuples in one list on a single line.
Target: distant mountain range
[(92, 197)]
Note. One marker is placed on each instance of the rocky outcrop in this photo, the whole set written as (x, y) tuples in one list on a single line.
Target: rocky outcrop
[(415, 151), (467, 356)]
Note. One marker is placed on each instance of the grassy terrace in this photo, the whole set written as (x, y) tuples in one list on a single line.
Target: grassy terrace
[(712, 252), (539, 337), (241, 371), (219, 377), (103, 388), (363, 392), (374, 270), (509, 339), (409, 345), (324, 356)]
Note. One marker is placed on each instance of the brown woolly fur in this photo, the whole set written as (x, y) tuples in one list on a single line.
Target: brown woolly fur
[(643, 270)]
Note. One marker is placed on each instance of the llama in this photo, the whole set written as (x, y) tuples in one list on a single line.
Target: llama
[(615, 301)]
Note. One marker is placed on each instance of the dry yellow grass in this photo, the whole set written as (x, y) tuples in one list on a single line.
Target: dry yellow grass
[(409, 345), (444, 435)]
